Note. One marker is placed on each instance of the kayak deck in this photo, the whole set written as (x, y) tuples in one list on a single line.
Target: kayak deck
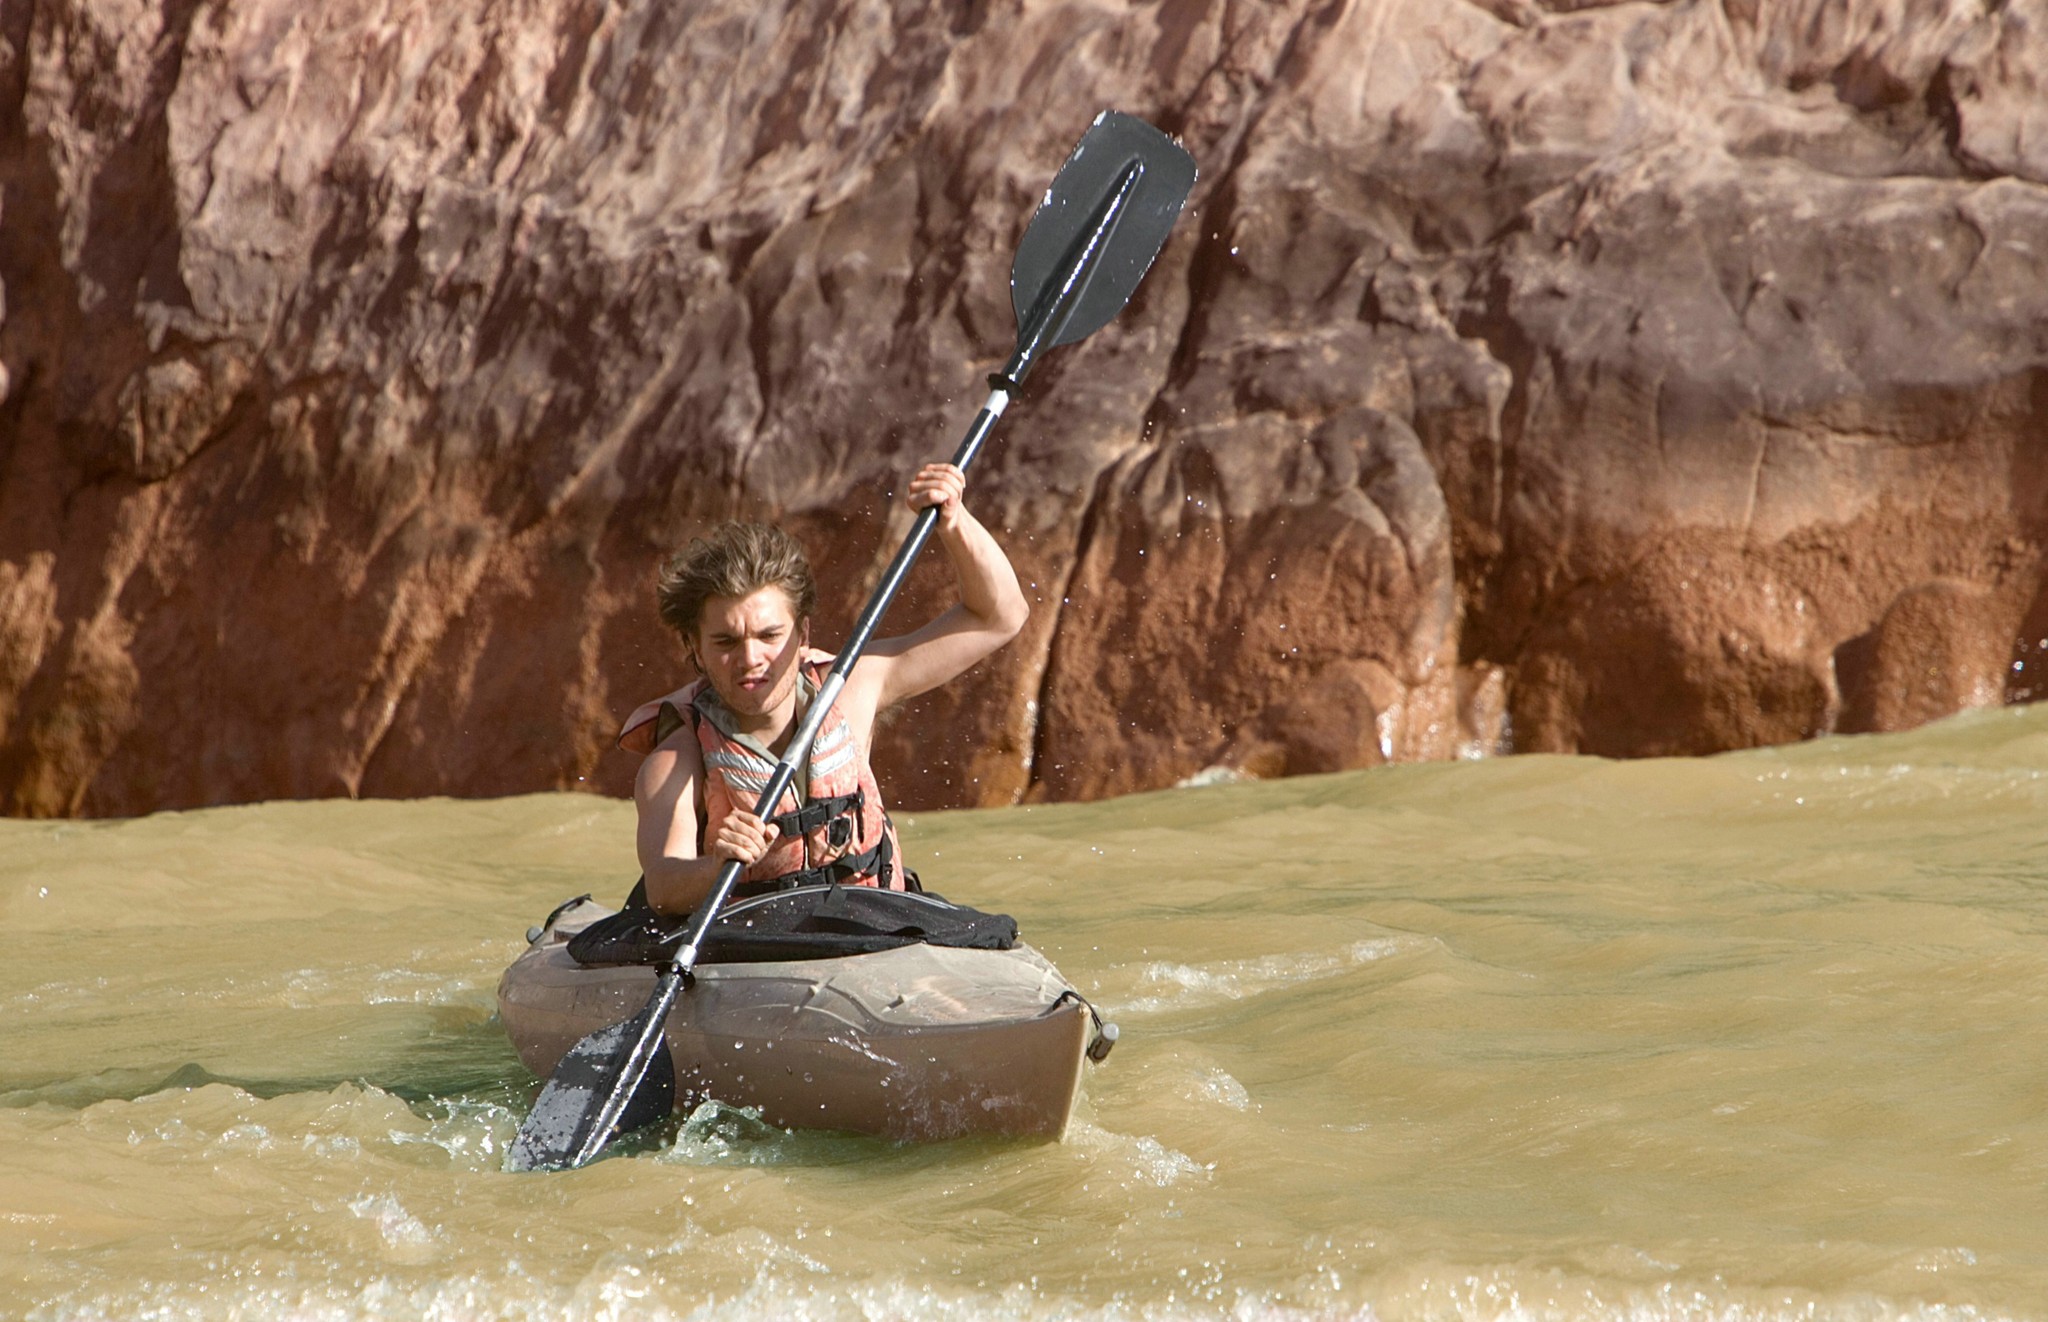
[(916, 1043)]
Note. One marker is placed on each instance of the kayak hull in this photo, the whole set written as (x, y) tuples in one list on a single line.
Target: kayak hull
[(916, 1043)]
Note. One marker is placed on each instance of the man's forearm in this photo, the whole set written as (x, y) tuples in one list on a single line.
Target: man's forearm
[(676, 886), (988, 583)]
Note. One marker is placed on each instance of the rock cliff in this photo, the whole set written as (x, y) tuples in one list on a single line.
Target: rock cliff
[(1632, 378)]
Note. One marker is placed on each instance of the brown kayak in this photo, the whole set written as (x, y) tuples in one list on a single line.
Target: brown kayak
[(919, 1042)]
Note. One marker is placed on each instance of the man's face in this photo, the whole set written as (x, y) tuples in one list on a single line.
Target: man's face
[(748, 647)]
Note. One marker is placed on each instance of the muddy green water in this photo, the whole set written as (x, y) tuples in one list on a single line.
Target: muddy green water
[(1758, 1036)]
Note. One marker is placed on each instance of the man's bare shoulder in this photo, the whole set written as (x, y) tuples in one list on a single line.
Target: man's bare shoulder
[(669, 767)]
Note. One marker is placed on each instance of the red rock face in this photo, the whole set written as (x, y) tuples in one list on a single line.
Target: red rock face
[(1632, 379)]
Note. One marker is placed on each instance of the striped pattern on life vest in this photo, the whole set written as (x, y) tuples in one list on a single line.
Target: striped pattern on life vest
[(748, 772), (832, 750), (743, 769)]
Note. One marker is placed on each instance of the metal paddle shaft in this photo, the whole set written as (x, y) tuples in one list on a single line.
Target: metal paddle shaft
[(1102, 221)]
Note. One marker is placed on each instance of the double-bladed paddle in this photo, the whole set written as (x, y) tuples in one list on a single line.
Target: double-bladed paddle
[(1101, 223)]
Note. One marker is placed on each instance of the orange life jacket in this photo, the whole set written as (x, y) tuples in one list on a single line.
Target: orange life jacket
[(838, 832)]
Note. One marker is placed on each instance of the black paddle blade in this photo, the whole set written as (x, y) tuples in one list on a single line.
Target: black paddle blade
[(566, 1126), (1075, 203)]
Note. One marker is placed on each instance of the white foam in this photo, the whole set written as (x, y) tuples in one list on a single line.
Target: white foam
[(1192, 986), (1215, 1085), (404, 1234)]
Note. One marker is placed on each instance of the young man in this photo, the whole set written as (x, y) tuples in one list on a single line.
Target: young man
[(741, 600)]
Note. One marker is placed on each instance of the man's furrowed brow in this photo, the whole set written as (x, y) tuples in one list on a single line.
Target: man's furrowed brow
[(723, 636)]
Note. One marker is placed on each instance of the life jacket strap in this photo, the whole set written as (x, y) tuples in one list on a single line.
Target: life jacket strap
[(878, 863), (820, 812)]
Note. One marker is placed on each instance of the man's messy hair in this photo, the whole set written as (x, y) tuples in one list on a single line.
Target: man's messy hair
[(734, 560)]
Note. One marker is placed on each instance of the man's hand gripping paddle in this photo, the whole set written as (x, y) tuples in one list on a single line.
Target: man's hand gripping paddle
[(1101, 223)]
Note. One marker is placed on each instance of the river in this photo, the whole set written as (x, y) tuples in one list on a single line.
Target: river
[(1752, 1036)]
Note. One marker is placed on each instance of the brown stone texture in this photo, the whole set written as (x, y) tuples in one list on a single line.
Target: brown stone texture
[(1630, 378)]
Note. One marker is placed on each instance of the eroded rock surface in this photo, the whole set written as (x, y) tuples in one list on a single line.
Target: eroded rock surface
[(1631, 378)]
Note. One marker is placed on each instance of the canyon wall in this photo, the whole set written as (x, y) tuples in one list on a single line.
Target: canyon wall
[(1626, 378)]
